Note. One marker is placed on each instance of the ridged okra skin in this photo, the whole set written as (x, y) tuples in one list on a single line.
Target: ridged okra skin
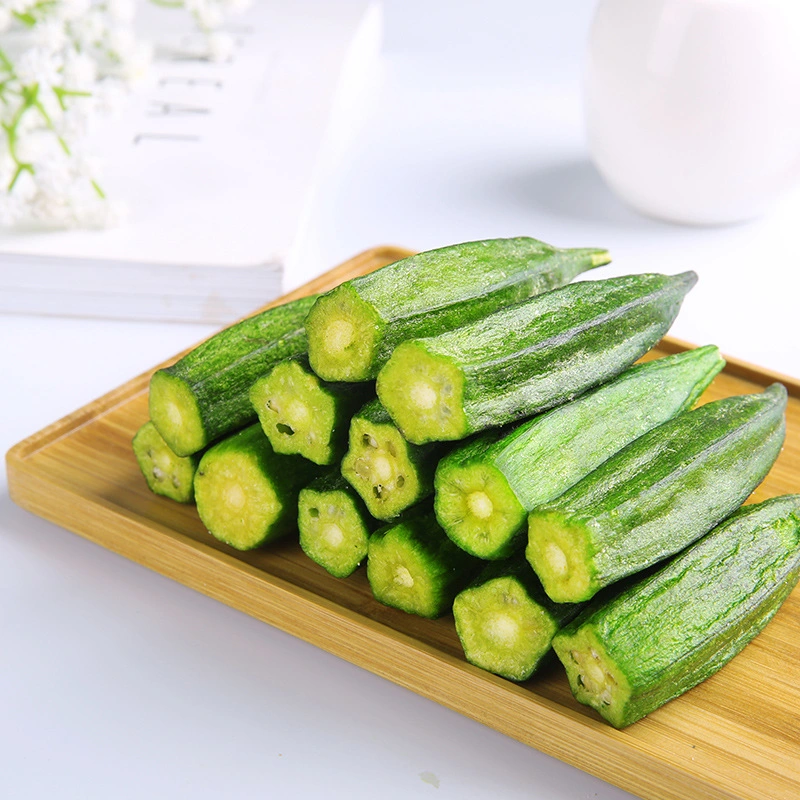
[(205, 395), (505, 621), (353, 329), (657, 495), (413, 566), (528, 358), (485, 489), (389, 473), (303, 415), (166, 474), (334, 524), (672, 630), (247, 493)]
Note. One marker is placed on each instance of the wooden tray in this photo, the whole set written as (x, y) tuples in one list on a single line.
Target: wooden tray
[(735, 736)]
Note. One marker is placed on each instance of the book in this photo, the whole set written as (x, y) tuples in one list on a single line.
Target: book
[(216, 163)]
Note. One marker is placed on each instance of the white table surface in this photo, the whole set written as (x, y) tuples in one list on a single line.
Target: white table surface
[(118, 683)]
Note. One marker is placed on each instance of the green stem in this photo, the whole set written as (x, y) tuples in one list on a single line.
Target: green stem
[(24, 17), (5, 62), (20, 169)]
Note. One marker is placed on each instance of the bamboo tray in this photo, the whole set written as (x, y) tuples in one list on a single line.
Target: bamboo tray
[(735, 736)]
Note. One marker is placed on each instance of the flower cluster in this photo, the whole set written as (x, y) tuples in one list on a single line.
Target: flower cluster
[(62, 62), (59, 63)]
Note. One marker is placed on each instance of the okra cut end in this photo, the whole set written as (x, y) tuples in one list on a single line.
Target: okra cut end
[(166, 474), (332, 531), (594, 678), (377, 465), (477, 509), (402, 574), (296, 413), (176, 414), (423, 394), (343, 336), (559, 554), (502, 629), (235, 499)]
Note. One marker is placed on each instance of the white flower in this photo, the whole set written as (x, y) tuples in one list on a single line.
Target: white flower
[(121, 42), (91, 30), (54, 176), (8, 169), (6, 18), (50, 34), (20, 6), (220, 46), (51, 208), (72, 9), (50, 106), (38, 65), (75, 121), (12, 208), (36, 146), (80, 71)]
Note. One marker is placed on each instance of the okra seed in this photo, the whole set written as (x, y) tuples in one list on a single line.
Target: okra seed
[(382, 468), (556, 558), (340, 336), (158, 473), (595, 674), (402, 577), (401, 481), (369, 441), (313, 512), (423, 395), (286, 430), (174, 414), (175, 482), (502, 628), (480, 505), (298, 413), (333, 535), (235, 496)]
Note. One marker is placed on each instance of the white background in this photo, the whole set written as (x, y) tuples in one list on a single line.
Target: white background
[(118, 683)]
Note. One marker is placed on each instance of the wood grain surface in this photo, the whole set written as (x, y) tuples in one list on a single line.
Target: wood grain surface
[(735, 736)]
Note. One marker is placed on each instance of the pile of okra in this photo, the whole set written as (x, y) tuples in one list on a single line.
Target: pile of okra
[(484, 433)]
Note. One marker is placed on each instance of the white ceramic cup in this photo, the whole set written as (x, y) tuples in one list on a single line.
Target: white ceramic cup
[(693, 106)]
